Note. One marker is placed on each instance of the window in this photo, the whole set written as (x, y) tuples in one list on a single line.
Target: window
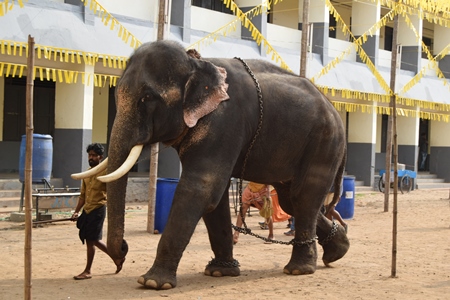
[(429, 43), (388, 35), (14, 115), (333, 28), (216, 5)]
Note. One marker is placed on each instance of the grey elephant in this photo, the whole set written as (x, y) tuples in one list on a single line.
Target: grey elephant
[(226, 118)]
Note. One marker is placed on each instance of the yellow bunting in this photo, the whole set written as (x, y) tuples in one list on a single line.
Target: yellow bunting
[(100, 11), (244, 19)]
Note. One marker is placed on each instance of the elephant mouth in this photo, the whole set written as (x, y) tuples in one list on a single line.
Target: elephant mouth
[(121, 171)]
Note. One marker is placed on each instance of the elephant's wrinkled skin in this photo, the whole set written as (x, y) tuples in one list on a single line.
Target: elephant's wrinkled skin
[(208, 110)]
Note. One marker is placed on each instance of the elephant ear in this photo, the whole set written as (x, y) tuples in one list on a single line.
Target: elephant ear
[(204, 91)]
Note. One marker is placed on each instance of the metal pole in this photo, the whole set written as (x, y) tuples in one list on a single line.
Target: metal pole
[(29, 167), (305, 31)]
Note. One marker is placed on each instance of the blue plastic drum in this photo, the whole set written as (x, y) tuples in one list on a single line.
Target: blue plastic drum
[(165, 190), (42, 157), (346, 205)]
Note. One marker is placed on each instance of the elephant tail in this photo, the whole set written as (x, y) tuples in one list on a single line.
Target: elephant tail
[(338, 179)]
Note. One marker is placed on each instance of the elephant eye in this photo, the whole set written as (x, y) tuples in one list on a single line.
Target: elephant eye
[(146, 98)]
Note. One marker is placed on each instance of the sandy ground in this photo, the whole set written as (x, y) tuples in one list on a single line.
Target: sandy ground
[(422, 261)]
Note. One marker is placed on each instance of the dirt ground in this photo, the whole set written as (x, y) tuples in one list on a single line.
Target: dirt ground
[(422, 261)]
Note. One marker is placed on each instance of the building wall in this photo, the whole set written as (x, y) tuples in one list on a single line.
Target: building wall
[(86, 121), (207, 21)]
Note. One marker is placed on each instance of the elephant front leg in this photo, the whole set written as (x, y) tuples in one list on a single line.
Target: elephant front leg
[(332, 238), (183, 218), (218, 223)]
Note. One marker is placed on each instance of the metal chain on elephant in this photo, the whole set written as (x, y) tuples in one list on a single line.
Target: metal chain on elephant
[(246, 230), (334, 228)]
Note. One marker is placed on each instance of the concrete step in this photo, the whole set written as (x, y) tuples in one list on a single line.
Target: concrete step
[(426, 175), (10, 184), (433, 185), (10, 193), (363, 189), (430, 180), (9, 204)]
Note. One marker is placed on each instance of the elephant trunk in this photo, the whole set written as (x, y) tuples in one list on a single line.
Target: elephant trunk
[(116, 192)]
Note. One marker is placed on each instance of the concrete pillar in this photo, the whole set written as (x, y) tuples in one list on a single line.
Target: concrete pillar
[(180, 15), (411, 53), (2, 104), (73, 127), (361, 142), (100, 109), (439, 154), (319, 16), (408, 141), (441, 41), (260, 21), (364, 15)]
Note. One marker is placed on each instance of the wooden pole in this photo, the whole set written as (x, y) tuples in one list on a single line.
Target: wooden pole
[(153, 176), (29, 167), (305, 38), (393, 104)]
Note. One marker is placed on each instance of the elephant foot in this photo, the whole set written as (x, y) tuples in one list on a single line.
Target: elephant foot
[(216, 268), (303, 260), (152, 281), (336, 247)]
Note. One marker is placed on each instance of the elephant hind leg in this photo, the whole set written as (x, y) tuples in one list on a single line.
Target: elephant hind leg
[(216, 268), (303, 260)]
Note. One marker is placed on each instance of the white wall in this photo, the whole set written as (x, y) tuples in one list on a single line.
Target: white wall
[(384, 58), (209, 21), (140, 9), (337, 47), (76, 98), (284, 37)]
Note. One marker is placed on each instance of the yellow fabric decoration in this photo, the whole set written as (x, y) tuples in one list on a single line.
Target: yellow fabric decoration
[(100, 11)]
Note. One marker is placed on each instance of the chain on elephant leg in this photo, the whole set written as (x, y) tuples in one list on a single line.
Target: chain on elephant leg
[(304, 257), (219, 268), (335, 245)]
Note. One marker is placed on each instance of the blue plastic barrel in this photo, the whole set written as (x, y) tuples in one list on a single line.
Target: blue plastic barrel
[(165, 190), (42, 157), (346, 205)]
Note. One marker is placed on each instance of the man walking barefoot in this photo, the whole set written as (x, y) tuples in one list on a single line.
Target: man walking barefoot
[(90, 224)]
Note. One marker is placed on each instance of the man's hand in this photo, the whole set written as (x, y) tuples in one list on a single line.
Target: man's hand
[(74, 217)]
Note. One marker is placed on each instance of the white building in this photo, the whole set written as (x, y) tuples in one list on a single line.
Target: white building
[(83, 45)]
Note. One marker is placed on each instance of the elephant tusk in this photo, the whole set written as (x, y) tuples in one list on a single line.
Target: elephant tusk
[(95, 170), (125, 167)]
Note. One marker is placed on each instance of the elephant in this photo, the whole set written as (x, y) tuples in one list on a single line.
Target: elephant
[(225, 117)]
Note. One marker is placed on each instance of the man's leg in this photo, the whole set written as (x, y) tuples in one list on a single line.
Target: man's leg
[(86, 274), (270, 223), (240, 220)]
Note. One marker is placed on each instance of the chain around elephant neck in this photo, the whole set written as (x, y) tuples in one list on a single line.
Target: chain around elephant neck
[(246, 230), (258, 129)]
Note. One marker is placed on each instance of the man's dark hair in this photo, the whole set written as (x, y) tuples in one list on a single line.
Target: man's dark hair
[(98, 148)]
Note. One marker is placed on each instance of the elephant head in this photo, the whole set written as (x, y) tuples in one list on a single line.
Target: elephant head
[(162, 92)]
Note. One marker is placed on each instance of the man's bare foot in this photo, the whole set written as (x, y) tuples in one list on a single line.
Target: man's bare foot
[(270, 237), (83, 276), (119, 264)]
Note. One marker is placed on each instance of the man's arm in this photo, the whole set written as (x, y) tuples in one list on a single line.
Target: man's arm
[(81, 201)]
